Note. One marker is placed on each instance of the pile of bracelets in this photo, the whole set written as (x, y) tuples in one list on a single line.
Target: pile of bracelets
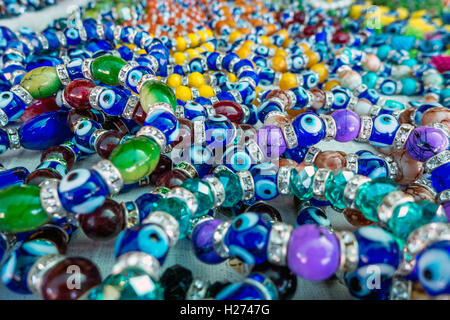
[(13, 8), (221, 107)]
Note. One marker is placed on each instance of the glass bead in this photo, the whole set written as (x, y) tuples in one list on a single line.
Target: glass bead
[(356, 218), (194, 111), (284, 280), (42, 82), (171, 179), (312, 215), (371, 194), (145, 204), (271, 141), (112, 100), (265, 180), (310, 129), (425, 142), (332, 160), (203, 242), (38, 176), (440, 179), (106, 69), (107, 142), (219, 131), (153, 92), (84, 133), (136, 158), (60, 152), (371, 165), (297, 154), (178, 209), (13, 176), (176, 281), (77, 92), (202, 192), (229, 109), (313, 252), (134, 75), (165, 121), (268, 213), (237, 158), (231, 185), (301, 182), (247, 238), (241, 291), (38, 107), (384, 129), (341, 98)]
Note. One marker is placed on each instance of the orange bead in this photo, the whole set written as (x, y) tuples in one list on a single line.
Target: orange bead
[(288, 81), (279, 64), (313, 58), (330, 85)]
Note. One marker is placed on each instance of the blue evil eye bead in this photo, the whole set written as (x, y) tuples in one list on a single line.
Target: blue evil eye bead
[(371, 95), (201, 158), (260, 61), (432, 269), (247, 238), (112, 100), (133, 76), (195, 65), (265, 180), (165, 121), (301, 98), (388, 87), (341, 98), (262, 50), (310, 79), (148, 238), (227, 60), (219, 131), (310, 129), (298, 63), (11, 105), (74, 69), (384, 128), (243, 291), (211, 60), (145, 204), (424, 108), (4, 141), (371, 165), (266, 76), (247, 92), (312, 215), (370, 282), (15, 270), (82, 191), (13, 176), (72, 36), (237, 159), (84, 134), (297, 154), (194, 111), (268, 106), (226, 85), (377, 246)]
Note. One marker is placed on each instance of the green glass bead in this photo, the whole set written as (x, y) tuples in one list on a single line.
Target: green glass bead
[(371, 194), (334, 188), (154, 92), (135, 158), (202, 192), (410, 216), (42, 82), (178, 209), (231, 184), (301, 181), (106, 69), (20, 209)]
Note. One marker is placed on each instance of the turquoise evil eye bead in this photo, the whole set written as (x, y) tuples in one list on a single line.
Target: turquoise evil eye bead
[(265, 179), (247, 238), (388, 87), (384, 128), (148, 238), (310, 129), (84, 135), (163, 119), (130, 75), (432, 269), (82, 191)]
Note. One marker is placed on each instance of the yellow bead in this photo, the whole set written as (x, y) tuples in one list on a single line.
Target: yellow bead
[(265, 41), (418, 13), (200, 50), (280, 52), (141, 51), (202, 35), (321, 70), (183, 93), (243, 52), (402, 13), (232, 77), (330, 85), (234, 36), (206, 91), (355, 11), (248, 44), (304, 46), (288, 81), (174, 80), (196, 79), (208, 47), (179, 57), (313, 58), (209, 33), (194, 39), (191, 53), (181, 43), (385, 20), (279, 64)]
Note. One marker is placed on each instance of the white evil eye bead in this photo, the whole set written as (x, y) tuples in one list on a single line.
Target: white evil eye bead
[(12, 107), (195, 65), (112, 101), (83, 132), (266, 76), (82, 191), (433, 270), (265, 179), (165, 121), (298, 64), (388, 87), (134, 75), (310, 129), (383, 132), (310, 79), (341, 98), (237, 159)]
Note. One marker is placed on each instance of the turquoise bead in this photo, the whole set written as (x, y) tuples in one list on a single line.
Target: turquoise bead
[(371, 194), (334, 188), (202, 192), (409, 86), (383, 51), (370, 79), (231, 185), (178, 209), (301, 182), (393, 104)]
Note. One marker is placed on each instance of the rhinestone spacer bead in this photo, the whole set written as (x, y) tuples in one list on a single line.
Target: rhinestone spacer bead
[(167, 222), (110, 174), (349, 251), (153, 133), (122, 76), (278, 243), (86, 69), (218, 236), (63, 75), (247, 184), (3, 118), (38, 270), (254, 150), (437, 161), (199, 132), (330, 127), (187, 168), (197, 290), (352, 162), (351, 189), (138, 260), (144, 79), (311, 155), (366, 129), (329, 99), (13, 137), (50, 198), (443, 196), (23, 94), (318, 185), (130, 107), (392, 166), (289, 135), (390, 201), (401, 289), (93, 97), (402, 135), (283, 178), (131, 214), (218, 190), (185, 195)]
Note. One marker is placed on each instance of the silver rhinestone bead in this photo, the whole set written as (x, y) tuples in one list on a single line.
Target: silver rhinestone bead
[(38, 270), (277, 78), (352, 162), (349, 251), (254, 150), (122, 76), (283, 178), (437, 161), (138, 260), (318, 184), (311, 155), (23, 94), (43, 40), (61, 38), (392, 166), (218, 190), (289, 135), (247, 184), (185, 195), (236, 95), (352, 103), (13, 137), (386, 207), (219, 61), (218, 236), (197, 290), (293, 98), (195, 93), (329, 100), (117, 32), (110, 174), (50, 198), (366, 129), (166, 222), (443, 196), (330, 127), (86, 69), (93, 96), (359, 89), (131, 214), (199, 132), (210, 111), (351, 189), (374, 110), (155, 134), (249, 80), (401, 289), (144, 79), (63, 75), (187, 168), (232, 63), (402, 135), (3, 118), (130, 107), (100, 31), (278, 243)]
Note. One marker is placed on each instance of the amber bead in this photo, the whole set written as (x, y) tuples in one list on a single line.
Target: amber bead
[(268, 212), (280, 94), (139, 115), (74, 115), (105, 223), (60, 152), (436, 115), (248, 131), (409, 170), (318, 98), (282, 277), (405, 116), (332, 160), (285, 162), (170, 179), (70, 279), (340, 37), (356, 218), (106, 143), (52, 233), (419, 192), (164, 165), (77, 92), (38, 176)]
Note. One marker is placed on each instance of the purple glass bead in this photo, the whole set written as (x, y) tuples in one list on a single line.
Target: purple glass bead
[(348, 125), (203, 242), (446, 206), (271, 141), (313, 252), (425, 142)]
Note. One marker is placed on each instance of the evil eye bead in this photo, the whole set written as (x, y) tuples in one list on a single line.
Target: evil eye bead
[(84, 133), (298, 63), (310, 79), (371, 165), (260, 61), (262, 51), (432, 268), (134, 75), (82, 191), (388, 87), (196, 65), (12, 106), (312, 215), (310, 129), (266, 76), (112, 100), (148, 238), (237, 159), (247, 238), (247, 92), (301, 97), (74, 69), (384, 129), (165, 121), (219, 131), (265, 179), (73, 36), (194, 111), (341, 98)]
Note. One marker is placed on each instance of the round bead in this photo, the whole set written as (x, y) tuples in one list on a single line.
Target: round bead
[(165, 121), (425, 142), (409, 169), (348, 125), (312, 215), (219, 131), (171, 179), (229, 109), (310, 129), (332, 160), (265, 180), (203, 242), (268, 212), (77, 94), (271, 141), (202, 192), (231, 185)]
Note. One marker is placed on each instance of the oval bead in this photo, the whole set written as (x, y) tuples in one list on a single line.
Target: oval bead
[(155, 92), (106, 69), (42, 82)]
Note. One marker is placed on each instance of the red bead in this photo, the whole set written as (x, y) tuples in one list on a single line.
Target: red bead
[(105, 223), (164, 165), (38, 176), (340, 37), (106, 143), (60, 152), (300, 17), (116, 124), (38, 107), (248, 131), (171, 179), (185, 138), (70, 279), (309, 31), (139, 115), (229, 109), (77, 94)]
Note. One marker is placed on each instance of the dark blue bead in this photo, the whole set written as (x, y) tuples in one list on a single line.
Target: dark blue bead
[(266, 107), (4, 141), (250, 74), (145, 203), (384, 129), (253, 111), (241, 291), (225, 96), (139, 36), (73, 36), (265, 180), (302, 98), (108, 28), (165, 121), (219, 131), (83, 135), (361, 282), (125, 53), (341, 98), (193, 110), (371, 165), (52, 39), (112, 100), (297, 154), (247, 92), (312, 215), (13, 176), (98, 45), (211, 61), (124, 34), (310, 129), (242, 63), (227, 59), (11, 105), (195, 65), (266, 76), (440, 177), (90, 25), (74, 69)]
